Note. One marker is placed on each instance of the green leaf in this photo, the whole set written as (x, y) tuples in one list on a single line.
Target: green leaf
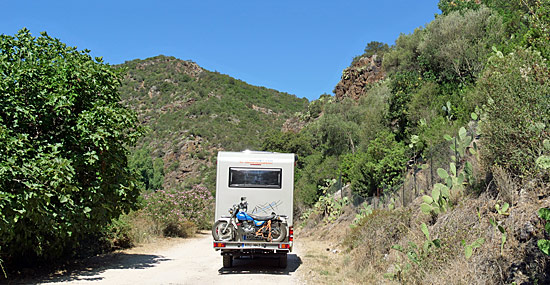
[(468, 250), (474, 116), (543, 162), (505, 207), (544, 213), (462, 133), (447, 137), (87, 209), (427, 199), (479, 242), (63, 199), (468, 168), (460, 179), (424, 229), (397, 247), (425, 208), (453, 168), (442, 173), (20, 211), (445, 191), (437, 242), (436, 194), (544, 246), (501, 229)]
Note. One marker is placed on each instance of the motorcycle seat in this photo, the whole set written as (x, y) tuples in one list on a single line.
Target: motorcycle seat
[(263, 218)]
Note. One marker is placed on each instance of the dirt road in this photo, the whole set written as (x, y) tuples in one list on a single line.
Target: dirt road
[(190, 261)]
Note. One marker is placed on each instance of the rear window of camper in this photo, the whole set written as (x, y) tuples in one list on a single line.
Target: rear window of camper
[(255, 177)]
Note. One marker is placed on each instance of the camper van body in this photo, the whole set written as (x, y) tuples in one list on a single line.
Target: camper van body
[(268, 188)]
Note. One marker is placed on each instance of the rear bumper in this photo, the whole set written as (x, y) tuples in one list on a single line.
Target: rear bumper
[(252, 248)]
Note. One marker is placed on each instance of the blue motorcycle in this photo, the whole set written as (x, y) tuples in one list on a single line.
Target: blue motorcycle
[(241, 226)]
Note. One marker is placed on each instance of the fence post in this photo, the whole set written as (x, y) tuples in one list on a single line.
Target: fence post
[(432, 168), (414, 178), (456, 152), (403, 193)]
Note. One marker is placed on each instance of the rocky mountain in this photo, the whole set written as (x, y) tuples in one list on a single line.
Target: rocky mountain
[(192, 113)]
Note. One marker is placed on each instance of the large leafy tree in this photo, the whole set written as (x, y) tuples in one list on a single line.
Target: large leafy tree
[(63, 146)]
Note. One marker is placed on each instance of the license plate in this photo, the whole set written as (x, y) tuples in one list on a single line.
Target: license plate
[(252, 245)]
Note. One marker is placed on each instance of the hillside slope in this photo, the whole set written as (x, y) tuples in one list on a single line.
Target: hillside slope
[(192, 113)]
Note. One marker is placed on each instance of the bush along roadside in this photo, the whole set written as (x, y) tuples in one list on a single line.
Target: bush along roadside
[(180, 212)]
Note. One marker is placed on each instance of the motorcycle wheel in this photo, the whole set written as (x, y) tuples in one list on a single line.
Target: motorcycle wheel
[(278, 232), (218, 231)]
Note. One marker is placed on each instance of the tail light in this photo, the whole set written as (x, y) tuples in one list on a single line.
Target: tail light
[(284, 246), (290, 234), (219, 244)]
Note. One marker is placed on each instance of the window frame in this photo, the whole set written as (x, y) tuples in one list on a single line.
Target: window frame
[(256, 186)]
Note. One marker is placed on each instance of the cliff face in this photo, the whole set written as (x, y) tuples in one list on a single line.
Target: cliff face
[(360, 74)]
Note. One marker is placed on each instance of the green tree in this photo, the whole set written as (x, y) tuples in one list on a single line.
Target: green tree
[(449, 6), (380, 166), (150, 172), (158, 174), (455, 47), (63, 146), (373, 48), (377, 48)]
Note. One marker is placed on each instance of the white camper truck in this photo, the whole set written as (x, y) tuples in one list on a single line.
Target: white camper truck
[(254, 205)]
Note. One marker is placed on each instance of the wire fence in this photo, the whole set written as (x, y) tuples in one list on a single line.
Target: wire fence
[(417, 179)]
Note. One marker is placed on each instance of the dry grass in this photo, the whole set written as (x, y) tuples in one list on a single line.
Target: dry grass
[(366, 255), (505, 184), (142, 228)]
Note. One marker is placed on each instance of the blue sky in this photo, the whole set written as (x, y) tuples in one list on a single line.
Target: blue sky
[(299, 47)]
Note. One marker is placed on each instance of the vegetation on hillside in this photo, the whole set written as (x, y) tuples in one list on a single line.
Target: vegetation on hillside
[(471, 89), (192, 113)]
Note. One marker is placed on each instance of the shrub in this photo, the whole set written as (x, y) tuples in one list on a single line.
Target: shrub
[(374, 107), (174, 210), (131, 229), (455, 47), (64, 136), (517, 119), (316, 169)]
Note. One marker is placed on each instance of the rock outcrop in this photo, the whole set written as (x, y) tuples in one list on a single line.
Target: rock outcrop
[(360, 74)]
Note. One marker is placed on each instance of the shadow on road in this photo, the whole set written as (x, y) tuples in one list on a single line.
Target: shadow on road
[(262, 265), (90, 269)]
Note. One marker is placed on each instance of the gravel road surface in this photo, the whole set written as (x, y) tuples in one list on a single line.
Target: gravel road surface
[(190, 261)]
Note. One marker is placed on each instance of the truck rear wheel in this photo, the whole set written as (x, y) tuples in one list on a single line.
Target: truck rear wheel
[(283, 261), (227, 261)]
